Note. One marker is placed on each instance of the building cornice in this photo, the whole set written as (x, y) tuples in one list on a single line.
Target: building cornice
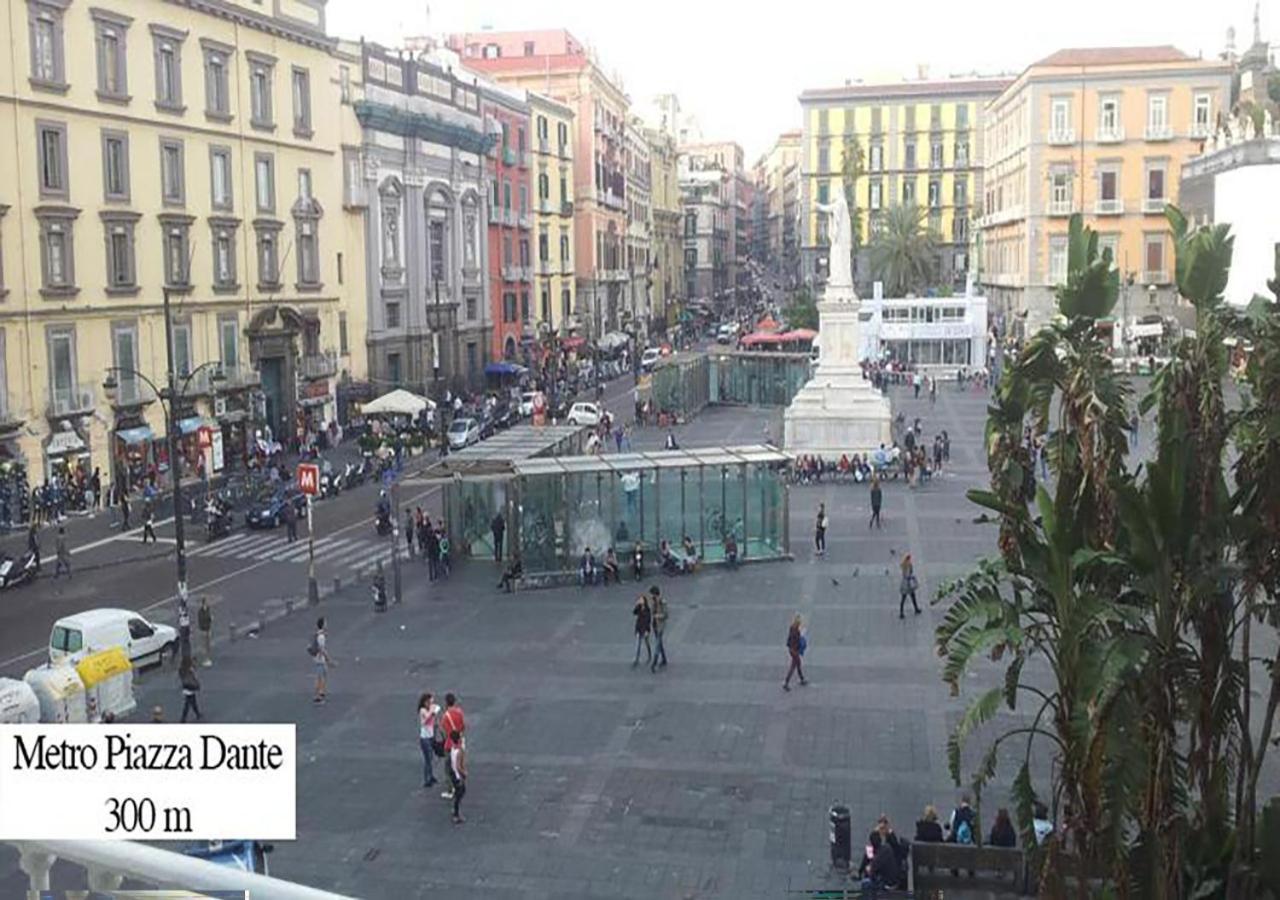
[(298, 33), (382, 117)]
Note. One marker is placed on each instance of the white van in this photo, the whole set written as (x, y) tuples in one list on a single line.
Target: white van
[(100, 629)]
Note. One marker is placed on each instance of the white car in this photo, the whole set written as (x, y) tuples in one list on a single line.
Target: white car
[(463, 433), (584, 414), (649, 359), (100, 629), (526, 403)]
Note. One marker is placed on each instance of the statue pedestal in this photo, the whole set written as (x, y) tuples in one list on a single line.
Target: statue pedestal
[(838, 411)]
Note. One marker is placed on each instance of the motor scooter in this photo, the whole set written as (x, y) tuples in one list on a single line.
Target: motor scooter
[(15, 572), (217, 520)]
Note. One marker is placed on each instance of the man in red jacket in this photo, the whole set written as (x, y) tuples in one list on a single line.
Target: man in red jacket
[(452, 720)]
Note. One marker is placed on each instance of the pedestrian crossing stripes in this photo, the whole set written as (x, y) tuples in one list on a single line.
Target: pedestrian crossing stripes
[(331, 552)]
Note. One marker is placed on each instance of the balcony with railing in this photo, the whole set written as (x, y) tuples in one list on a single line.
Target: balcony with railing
[(563, 151), (1059, 207), (1157, 276), (546, 267), (1108, 207), (1110, 134), (1061, 136), (524, 220), (1154, 205), (314, 366), (508, 156), (132, 392), (509, 217), (510, 273), (1158, 132), (75, 400), (544, 146), (544, 206), (1200, 130), (495, 214), (240, 376)]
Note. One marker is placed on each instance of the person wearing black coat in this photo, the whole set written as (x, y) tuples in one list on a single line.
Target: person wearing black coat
[(928, 828), (1002, 832), (885, 866)]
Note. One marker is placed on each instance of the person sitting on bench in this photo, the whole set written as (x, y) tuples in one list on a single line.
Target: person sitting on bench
[(670, 563), (587, 568), (514, 572), (610, 568), (731, 550), (690, 561)]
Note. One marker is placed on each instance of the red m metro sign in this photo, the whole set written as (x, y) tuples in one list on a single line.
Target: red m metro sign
[(309, 479)]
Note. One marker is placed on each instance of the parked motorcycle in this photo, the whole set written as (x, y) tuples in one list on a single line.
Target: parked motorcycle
[(329, 485), (217, 520), (15, 572)]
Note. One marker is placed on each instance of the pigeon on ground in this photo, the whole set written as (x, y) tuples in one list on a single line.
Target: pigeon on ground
[(834, 582)]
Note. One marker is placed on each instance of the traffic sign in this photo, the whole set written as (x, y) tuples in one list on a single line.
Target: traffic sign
[(309, 478)]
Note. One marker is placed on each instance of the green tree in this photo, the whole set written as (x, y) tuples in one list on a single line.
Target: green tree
[(802, 312), (852, 168), (903, 251)]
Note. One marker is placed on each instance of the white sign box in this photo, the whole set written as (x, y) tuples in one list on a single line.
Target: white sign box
[(147, 782)]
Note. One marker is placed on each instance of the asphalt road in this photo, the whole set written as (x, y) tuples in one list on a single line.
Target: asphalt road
[(239, 573)]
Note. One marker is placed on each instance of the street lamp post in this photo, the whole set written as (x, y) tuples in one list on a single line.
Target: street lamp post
[(168, 398)]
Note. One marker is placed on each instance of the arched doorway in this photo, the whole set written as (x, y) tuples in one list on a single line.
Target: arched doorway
[(509, 350), (277, 334)]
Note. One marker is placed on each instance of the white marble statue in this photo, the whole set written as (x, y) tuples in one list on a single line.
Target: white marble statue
[(841, 249), (1248, 128)]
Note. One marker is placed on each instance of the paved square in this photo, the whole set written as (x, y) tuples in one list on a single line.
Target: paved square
[(590, 778)]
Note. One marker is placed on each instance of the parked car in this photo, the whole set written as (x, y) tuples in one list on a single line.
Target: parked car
[(649, 359), (728, 333), (584, 414), (267, 511), (526, 403), (463, 433), (101, 629)]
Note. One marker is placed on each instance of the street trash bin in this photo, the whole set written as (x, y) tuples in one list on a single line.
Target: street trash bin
[(841, 837)]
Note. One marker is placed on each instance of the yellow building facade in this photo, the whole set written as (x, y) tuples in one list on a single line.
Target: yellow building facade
[(1102, 132), (188, 149), (552, 125), (667, 243), (920, 143)]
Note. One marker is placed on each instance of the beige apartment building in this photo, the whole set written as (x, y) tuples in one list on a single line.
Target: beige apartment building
[(666, 243), (778, 181), (552, 148), (158, 148), (1103, 132)]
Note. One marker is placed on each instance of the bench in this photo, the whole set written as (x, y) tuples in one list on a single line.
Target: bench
[(932, 866)]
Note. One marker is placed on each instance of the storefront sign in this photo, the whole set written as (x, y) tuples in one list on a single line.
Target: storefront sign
[(206, 437), (216, 451), (309, 479)]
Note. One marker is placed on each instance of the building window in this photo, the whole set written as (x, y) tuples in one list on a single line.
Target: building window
[(824, 121), (524, 199), (167, 46), (909, 192), (393, 314), (172, 176), (544, 248), (935, 155), (224, 254), (935, 194), (962, 116), (220, 189), (909, 119), (343, 347), (177, 250), (1202, 113), (1109, 118), (1157, 115), (1108, 245), (508, 307), (261, 112), (124, 356), (960, 193), (1156, 185), (48, 63), (62, 368), (53, 160), (824, 191), (524, 306), (264, 177), (301, 102), (564, 250), (874, 200), (470, 304), (1153, 258), (544, 186), (122, 273), (115, 166), (875, 158), (566, 303), (268, 256), (1060, 192), (182, 348), (909, 157), (389, 201), (308, 254), (506, 196), (393, 359), (959, 230), (109, 46), (217, 91), (229, 341), (344, 84), (1109, 186), (436, 249), (1057, 259), (1060, 117), (57, 252), (824, 158)]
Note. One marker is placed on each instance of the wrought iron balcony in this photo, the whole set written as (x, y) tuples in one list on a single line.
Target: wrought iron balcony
[(315, 366), (241, 376)]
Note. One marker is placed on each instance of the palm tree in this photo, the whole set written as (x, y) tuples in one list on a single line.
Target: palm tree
[(903, 251)]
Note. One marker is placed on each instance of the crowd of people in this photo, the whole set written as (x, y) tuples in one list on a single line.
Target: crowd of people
[(908, 457)]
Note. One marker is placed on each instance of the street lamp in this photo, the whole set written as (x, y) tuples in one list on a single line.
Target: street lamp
[(167, 398)]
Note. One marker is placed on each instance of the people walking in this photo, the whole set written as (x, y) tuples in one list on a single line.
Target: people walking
[(658, 614), (319, 650), (124, 508), (432, 553), (796, 642), (644, 623), (499, 528), (820, 531), (149, 521), (190, 688), (428, 713), (454, 723), (95, 486), (204, 621), (62, 555), (877, 497), (458, 774), (33, 543), (290, 521), (907, 587), (410, 533)]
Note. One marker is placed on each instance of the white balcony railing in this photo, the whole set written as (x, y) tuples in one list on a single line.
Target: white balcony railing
[(1060, 208), (1110, 135), (1159, 133), (1159, 276), (544, 205), (1062, 136), (1200, 130), (71, 401), (543, 144), (1154, 205), (108, 863), (1112, 207)]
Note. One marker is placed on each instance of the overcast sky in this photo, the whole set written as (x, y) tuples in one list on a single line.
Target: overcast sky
[(739, 66)]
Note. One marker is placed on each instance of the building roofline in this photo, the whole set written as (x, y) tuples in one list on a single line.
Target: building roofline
[(949, 87)]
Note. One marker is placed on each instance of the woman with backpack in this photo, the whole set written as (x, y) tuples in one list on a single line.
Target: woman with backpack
[(428, 711)]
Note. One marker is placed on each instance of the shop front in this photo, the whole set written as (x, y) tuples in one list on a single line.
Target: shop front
[(131, 454), (67, 455), (934, 333), (15, 484)]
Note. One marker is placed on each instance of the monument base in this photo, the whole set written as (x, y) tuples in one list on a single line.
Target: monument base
[(838, 411)]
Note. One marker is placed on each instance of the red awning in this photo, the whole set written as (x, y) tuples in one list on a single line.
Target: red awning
[(759, 338), (768, 323), (800, 334)]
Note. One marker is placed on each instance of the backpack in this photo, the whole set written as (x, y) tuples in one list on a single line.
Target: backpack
[(313, 647), (964, 833)]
